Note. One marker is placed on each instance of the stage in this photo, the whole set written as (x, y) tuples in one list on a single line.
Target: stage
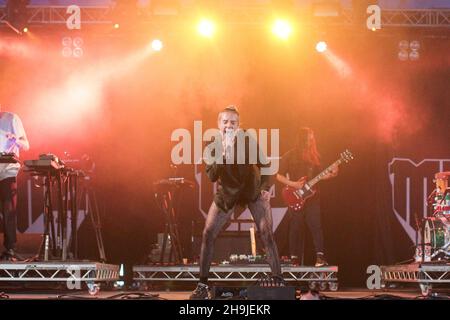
[(140, 140), (345, 294), (93, 280)]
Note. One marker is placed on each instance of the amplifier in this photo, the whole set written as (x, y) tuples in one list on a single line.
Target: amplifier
[(226, 244), (253, 293)]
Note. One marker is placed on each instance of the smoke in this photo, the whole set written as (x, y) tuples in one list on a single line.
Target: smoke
[(381, 99), (121, 97)]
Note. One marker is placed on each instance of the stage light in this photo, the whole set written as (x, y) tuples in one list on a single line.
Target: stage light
[(206, 28), (116, 26), (409, 50), (414, 45), (321, 46), (77, 52), (78, 42), (67, 52), (282, 29), (66, 41), (72, 47), (25, 30), (414, 55), (403, 55), (157, 45), (403, 45)]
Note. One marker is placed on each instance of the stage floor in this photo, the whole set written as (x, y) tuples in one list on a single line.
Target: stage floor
[(353, 293)]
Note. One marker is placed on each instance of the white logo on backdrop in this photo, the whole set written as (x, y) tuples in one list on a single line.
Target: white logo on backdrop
[(411, 183), (37, 226)]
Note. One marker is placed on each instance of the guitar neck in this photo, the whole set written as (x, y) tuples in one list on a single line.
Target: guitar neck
[(325, 172)]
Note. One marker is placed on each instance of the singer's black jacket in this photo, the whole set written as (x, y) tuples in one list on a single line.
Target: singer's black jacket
[(239, 183)]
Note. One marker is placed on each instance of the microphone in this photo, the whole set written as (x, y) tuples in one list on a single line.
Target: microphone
[(229, 139)]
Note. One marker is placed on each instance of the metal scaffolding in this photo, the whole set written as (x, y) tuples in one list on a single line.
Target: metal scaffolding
[(245, 14), (58, 271), (58, 15), (416, 18), (324, 277), (425, 274)]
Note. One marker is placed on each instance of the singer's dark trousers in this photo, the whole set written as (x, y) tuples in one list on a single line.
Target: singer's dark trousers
[(216, 220), (8, 201)]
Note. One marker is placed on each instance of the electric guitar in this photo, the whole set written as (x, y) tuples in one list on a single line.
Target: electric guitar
[(296, 198)]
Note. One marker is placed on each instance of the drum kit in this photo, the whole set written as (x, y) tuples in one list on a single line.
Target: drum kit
[(435, 230)]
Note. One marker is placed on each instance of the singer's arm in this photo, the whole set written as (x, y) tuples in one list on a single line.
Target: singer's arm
[(213, 168)]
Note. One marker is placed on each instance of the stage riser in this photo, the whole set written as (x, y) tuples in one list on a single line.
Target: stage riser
[(325, 276), (58, 272), (426, 275)]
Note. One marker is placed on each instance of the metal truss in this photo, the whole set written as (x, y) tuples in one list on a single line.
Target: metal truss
[(59, 271), (233, 273), (58, 15), (235, 12), (417, 273), (416, 18), (245, 12), (424, 18), (424, 274)]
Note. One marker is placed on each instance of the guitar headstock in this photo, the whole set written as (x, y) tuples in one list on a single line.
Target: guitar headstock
[(346, 156)]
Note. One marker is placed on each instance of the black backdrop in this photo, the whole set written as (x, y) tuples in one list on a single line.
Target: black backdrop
[(383, 108)]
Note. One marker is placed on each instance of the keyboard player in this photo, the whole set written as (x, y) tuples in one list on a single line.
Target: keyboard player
[(12, 139)]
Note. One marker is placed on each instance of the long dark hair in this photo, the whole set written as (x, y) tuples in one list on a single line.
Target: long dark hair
[(306, 146)]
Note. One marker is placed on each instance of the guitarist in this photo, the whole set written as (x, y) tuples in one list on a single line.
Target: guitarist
[(12, 139), (297, 166)]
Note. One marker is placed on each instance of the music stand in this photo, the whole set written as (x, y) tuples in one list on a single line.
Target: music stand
[(54, 238), (80, 190), (167, 198), (92, 210)]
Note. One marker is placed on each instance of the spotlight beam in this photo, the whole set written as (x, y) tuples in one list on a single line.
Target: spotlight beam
[(206, 28), (321, 46), (157, 45), (282, 29), (12, 27)]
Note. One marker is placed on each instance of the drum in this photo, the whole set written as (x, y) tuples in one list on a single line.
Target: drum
[(436, 236), (442, 204)]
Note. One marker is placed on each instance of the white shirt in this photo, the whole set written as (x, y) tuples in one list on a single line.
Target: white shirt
[(10, 123)]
